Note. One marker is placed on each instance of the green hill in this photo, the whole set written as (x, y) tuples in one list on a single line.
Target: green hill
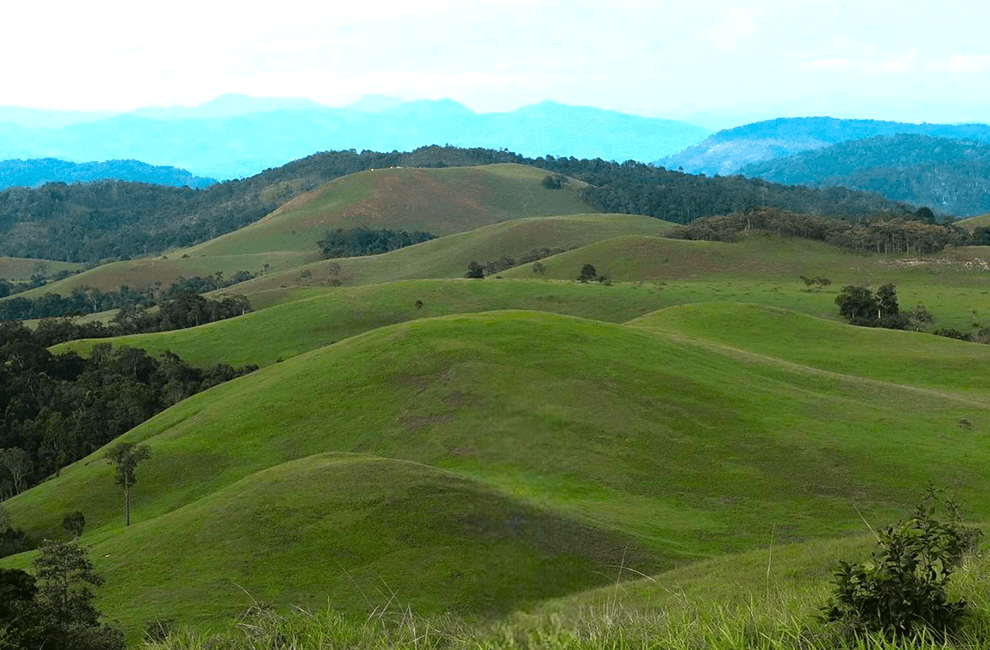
[(905, 358), (19, 268), (285, 330), (975, 222), (448, 257), (620, 435), (439, 201)]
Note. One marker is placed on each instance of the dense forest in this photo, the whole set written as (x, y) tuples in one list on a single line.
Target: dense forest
[(903, 233), (88, 222), (56, 409), (951, 175)]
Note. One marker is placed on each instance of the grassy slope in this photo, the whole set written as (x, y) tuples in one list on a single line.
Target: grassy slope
[(448, 257), (19, 268), (440, 201), (285, 330), (765, 269), (688, 449), (974, 222), (146, 273), (909, 358)]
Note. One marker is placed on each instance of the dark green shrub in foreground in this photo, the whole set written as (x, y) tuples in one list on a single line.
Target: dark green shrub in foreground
[(901, 592)]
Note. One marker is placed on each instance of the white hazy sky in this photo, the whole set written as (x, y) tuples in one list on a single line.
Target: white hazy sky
[(906, 60)]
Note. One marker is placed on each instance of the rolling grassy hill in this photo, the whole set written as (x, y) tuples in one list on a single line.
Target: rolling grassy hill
[(448, 257), (19, 268), (765, 269), (283, 331), (439, 201), (481, 445), (975, 222)]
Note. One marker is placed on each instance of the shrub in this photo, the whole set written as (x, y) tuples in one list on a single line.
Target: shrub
[(902, 591)]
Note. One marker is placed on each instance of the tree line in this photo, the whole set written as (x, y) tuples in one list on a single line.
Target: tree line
[(902, 233), (56, 409), (943, 172), (90, 222), (136, 302), (355, 242)]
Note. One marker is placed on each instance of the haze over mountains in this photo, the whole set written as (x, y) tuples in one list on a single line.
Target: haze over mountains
[(945, 174), (235, 136), (727, 151)]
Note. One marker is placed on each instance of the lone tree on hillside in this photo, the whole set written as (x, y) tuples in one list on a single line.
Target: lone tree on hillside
[(125, 456), (588, 273)]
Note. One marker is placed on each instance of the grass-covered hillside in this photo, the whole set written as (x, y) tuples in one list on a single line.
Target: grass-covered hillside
[(438, 201), (450, 256), (688, 440), (508, 438), (21, 269)]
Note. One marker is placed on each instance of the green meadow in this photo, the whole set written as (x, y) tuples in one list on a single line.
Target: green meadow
[(647, 450), (672, 458)]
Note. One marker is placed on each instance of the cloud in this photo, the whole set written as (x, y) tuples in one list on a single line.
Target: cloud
[(867, 66), (967, 63), (737, 25)]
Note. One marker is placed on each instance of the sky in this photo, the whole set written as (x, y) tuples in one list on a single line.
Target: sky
[(706, 61)]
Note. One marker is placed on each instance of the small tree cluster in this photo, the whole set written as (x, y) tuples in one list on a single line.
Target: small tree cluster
[(475, 271), (860, 306), (902, 591), (590, 274)]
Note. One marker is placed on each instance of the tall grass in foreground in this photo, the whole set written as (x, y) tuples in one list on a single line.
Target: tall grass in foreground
[(777, 620)]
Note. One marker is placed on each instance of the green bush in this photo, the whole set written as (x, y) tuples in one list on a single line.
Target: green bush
[(901, 592)]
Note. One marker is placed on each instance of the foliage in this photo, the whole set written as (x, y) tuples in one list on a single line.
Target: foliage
[(475, 271), (588, 273), (902, 590), (55, 409), (88, 300), (882, 233), (74, 523), (87, 222), (860, 306), (125, 456), (943, 172), (64, 615), (12, 540), (355, 242)]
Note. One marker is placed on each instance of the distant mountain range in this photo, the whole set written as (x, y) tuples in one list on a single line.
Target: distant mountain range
[(236, 136), (728, 151), (31, 173)]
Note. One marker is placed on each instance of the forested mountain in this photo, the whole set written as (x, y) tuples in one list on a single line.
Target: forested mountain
[(38, 171), (945, 174), (726, 152), (116, 219), (234, 137)]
